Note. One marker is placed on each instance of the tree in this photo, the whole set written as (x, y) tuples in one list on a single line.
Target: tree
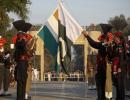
[(19, 7), (127, 30), (118, 22), (91, 27)]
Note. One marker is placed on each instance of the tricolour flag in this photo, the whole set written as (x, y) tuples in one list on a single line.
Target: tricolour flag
[(58, 33)]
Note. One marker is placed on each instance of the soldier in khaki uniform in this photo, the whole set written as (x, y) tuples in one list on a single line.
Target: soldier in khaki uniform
[(108, 86), (109, 59), (6, 72)]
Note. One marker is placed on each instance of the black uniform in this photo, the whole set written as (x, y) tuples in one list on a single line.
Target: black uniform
[(101, 67), (118, 79), (128, 66), (21, 59)]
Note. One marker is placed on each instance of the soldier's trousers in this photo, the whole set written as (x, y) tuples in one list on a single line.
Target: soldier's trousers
[(6, 79), (119, 84), (108, 84), (21, 78), (1, 74), (100, 84), (21, 85), (28, 83)]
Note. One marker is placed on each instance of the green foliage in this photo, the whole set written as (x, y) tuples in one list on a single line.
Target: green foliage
[(19, 7), (127, 30), (118, 22)]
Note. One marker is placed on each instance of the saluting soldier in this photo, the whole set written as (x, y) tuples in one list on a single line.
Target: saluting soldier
[(101, 59)]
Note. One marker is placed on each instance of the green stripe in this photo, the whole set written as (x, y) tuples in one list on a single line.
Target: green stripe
[(49, 40)]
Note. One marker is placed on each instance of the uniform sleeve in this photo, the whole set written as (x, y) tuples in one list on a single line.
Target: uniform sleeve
[(93, 43), (115, 64)]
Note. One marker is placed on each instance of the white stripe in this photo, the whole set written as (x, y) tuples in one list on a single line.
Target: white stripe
[(55, 35), (61, 14), (50, 27), (53, 23), (73, 29)]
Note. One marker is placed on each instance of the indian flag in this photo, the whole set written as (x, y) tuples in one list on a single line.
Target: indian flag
[(58, 33)]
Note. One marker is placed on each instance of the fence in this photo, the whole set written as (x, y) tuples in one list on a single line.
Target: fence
[(63, 77)]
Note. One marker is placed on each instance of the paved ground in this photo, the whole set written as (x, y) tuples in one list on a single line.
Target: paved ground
[(58, 91)]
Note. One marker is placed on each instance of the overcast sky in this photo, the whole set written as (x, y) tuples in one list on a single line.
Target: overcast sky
[(85, 12)]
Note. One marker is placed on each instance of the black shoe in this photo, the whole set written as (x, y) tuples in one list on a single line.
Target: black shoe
[(6, 94), (2, 95)]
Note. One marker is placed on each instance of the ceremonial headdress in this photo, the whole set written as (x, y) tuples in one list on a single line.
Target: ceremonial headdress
[(22, 26), (106, 28)]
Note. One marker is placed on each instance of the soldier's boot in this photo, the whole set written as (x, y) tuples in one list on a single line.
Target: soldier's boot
[(108, 95)]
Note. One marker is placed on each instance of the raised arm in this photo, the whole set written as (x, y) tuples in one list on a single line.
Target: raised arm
[(93, 43)]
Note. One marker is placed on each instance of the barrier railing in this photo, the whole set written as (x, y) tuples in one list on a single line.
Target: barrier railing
[(72, 77)]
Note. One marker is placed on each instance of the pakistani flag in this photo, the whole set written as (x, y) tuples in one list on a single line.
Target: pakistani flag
[(58, 33)]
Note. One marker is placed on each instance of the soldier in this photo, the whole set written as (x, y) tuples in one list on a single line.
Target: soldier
[(119, 65), (6, 72), (21, 58), (5, 69), (128, 67), (101, 60)]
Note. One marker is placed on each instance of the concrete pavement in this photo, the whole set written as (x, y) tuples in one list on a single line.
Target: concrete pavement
[(58, 91)]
